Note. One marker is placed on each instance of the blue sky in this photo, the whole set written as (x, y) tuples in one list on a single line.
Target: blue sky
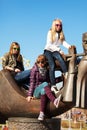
[(28, 21)]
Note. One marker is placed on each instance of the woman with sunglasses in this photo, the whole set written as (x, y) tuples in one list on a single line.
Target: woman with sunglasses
[(13, 61), (40, 85), (55, 38)]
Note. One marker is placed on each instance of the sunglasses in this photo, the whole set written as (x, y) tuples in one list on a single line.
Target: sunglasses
[(42, 62), (17, 49), (58, 25)]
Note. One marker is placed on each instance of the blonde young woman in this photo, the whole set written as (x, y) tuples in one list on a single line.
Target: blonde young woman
[(55, 38), (13, 62)]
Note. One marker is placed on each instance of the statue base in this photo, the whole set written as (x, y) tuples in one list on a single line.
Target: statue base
[(23, 123)]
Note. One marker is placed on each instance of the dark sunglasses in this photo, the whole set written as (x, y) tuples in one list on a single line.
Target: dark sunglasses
[(42, 62), (16, 48), (58, 25)]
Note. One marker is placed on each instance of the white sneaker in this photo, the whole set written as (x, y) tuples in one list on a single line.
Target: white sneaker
[(41, 116), (54, 89), (57, 100)]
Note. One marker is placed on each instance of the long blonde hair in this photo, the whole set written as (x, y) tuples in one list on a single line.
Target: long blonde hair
[(19, 57), (53, 31)]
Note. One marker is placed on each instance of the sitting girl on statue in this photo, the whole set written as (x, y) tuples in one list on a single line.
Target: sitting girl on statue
[(40, 85)]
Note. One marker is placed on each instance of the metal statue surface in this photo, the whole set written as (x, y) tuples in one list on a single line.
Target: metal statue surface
[(74, 91), (81, 89), (75, 87)]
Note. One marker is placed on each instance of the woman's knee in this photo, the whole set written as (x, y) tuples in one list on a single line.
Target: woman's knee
[(44, 84), (42, 91)]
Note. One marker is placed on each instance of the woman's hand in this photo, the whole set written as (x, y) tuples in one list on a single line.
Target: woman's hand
[(9, 68), (61, 52), (29, 98), (17, 70), (12, 69)]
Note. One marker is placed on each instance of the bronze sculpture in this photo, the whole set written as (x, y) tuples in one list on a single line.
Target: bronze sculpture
[(81, 88), (76, 83), (13, 99)]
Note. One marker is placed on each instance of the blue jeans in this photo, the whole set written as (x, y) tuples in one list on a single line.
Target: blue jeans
[(23, 77), (39, 90), (51, 56)]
